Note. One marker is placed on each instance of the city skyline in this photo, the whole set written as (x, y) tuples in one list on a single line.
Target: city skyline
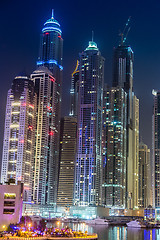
[(96, 144), (106, 40)]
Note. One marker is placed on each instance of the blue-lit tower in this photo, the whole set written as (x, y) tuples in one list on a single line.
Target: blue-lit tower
[(50, 56), (123, 78), (88, 167), (51, 47)]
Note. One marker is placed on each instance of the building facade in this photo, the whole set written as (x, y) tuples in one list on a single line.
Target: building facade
[(115, 155), (144, 177), (74, 91), (88, 168), (45, 166), (156, 147), (123, 77), (19, 131), (11, 199), (50, 56), (67, 161)]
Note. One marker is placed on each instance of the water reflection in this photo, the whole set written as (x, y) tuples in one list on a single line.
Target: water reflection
[(115, 233)]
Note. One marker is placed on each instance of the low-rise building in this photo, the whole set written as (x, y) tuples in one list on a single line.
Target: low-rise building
[(10, 204)]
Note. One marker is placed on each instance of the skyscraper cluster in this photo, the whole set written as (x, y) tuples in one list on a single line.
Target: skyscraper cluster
[(92, 157)]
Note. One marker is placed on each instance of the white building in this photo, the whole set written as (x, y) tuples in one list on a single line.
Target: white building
[(18, 143)]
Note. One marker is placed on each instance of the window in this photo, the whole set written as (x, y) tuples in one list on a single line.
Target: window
[(9, 203), (8, 211), (9, 196)]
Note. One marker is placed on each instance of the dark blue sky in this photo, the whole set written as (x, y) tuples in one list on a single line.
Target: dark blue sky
[(21, 24)]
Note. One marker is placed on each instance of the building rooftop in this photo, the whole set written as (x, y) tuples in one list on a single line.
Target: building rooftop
[(52, 25), (92, 46)]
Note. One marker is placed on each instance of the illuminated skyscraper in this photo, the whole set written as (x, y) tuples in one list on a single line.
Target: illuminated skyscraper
[(144, 178), (67, 161), (123, 77), (50, 56), (134, 150), (19, 132), (88, 168), (115, 157), (156, 147), (123, 67), (46, 165)]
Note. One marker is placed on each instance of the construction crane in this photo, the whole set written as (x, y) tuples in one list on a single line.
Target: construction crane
[(125, 32)]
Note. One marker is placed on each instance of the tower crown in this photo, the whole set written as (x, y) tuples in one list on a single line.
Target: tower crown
[(92, 46), (52, 25)]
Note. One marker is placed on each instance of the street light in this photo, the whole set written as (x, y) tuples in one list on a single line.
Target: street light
[(29, 225), (58, 223), (4, 226)]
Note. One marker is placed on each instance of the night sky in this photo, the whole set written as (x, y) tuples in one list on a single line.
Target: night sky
[(21, 24)]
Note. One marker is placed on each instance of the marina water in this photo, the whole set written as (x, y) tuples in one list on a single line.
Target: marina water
[(114, 232)]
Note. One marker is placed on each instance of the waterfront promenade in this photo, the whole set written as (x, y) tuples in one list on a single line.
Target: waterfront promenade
[(89, 237)]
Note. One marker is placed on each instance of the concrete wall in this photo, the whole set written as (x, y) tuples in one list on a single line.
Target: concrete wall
[(10, 208)]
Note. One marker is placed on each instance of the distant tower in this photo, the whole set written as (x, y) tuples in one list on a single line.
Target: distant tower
[(67, 161), (144, 177), (88, 168), (156, 148), (19, 132), (46, 165), (50, 56)]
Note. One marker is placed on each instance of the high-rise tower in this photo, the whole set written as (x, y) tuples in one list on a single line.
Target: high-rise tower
[(67, 161), (114, 142), (88, 168), (123, 78), (144, 177), (19, 132), (51, 48), (50, 56), (156, 148)]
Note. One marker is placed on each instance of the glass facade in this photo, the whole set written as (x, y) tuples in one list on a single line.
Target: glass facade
[(50, 56), (88, 168), (123, 77), (156, 147), (44, 165), (114, 150)]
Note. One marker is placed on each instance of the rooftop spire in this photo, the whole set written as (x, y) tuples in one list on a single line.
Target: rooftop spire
[(92, 35), (52, 13)]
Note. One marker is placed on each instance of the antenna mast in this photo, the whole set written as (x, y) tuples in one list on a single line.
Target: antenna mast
[(92, 35), (52, 13)]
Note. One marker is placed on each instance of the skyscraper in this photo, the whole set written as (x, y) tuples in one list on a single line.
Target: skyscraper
[(123, 77), (144, 177), (19, 131), (156, 146), (134, 148), (88, 168), (67, 161), (123, 67), (114, 176), (50, 56), (45, 164)]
